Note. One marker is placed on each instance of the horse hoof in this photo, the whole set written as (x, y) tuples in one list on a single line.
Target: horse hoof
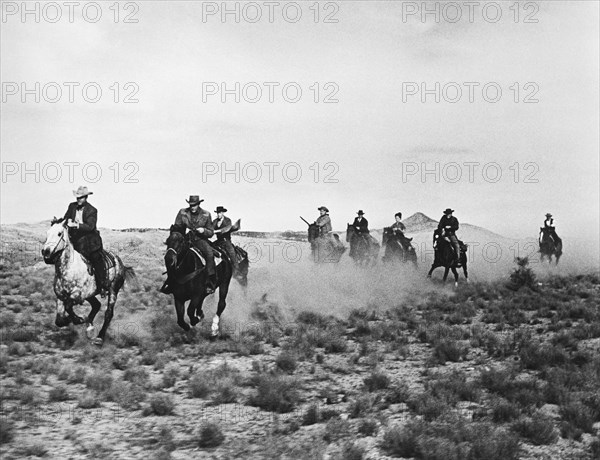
[(77, 320), (184, 326), (194, 320), (90, 331), (98, 342)]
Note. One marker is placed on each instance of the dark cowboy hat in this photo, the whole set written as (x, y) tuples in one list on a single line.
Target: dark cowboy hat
[(398, 214), (194, 200), (324, 208), (82, 191), (360, 212), (220, 209), (448, 211), (548, 214)]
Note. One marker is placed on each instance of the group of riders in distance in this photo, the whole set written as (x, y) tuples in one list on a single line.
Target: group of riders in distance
[(83, 269)]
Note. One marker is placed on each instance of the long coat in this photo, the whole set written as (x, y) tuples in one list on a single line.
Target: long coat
[(86, 239), (452, 222), (363, 225)]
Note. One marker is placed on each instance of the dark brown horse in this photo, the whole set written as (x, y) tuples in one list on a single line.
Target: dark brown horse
[(550, 245), (396, 249), (444, 257), (74, 284), (187, 279), (364, 249)]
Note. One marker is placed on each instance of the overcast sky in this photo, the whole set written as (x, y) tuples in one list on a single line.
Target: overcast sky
[(547, 152)]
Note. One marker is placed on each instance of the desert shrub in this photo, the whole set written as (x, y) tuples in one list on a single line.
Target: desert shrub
[(59, 393), (535, 356), (170, 375), (489, 444), (210, 435), (286, 361), (275, 393), (336, 429), (449, 350), (311, 416), (351, 451), (77, 375), (522, 276), (360, 406), (137, 375), (504, 411), (225, 391), (199, 385), (454, 387), (376, 381), (99, 380), (428, 405), (402, 441), (88, 400), (160, 404), (538, 429), (368, 427), (28, 395), (127, 395), (578, 415)]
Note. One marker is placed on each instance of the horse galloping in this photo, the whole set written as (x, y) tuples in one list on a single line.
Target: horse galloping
[(395, 250), (324, 248), (549, 247), (364, 249), (444, 257), (74, 284), (188, 278)]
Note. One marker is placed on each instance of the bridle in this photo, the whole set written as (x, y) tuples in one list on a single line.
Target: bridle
[(62, 238)]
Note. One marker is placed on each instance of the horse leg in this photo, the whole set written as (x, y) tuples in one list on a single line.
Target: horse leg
[(446, 270), (95, 303), (194, 309), (433, 267), (74, 318), (455, 273), (179, 307), (108, 315), (223, 290), (466, 272)]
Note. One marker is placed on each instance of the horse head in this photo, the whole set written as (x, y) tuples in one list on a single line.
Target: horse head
[(57, 239), (176, 244), (349, 233)]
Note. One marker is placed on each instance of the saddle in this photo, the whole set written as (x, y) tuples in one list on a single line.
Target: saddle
[(107, 257)]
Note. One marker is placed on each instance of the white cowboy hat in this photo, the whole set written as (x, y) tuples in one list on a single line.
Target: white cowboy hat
[(82, 191)]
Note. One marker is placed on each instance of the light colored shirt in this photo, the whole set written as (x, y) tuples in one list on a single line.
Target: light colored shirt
[(79, 216)]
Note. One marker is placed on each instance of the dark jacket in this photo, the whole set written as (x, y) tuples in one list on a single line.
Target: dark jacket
[(448, 221), (226, 225), (202, 219), (363, 225), (86, 239)]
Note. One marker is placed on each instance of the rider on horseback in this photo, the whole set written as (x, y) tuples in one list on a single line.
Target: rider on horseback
[(81, 219), (549, 228), (200, 224), (222, 228), (448, 226), (361, 227), (323, 221), (398, 229)]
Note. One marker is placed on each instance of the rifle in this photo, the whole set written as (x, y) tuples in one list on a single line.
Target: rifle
[(305, 221)]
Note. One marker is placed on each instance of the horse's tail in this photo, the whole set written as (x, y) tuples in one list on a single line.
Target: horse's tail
[(129, 275)]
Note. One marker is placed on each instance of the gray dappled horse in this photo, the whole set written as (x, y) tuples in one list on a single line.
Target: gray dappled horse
[(74, 284), (364, 249), (549, 247)]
